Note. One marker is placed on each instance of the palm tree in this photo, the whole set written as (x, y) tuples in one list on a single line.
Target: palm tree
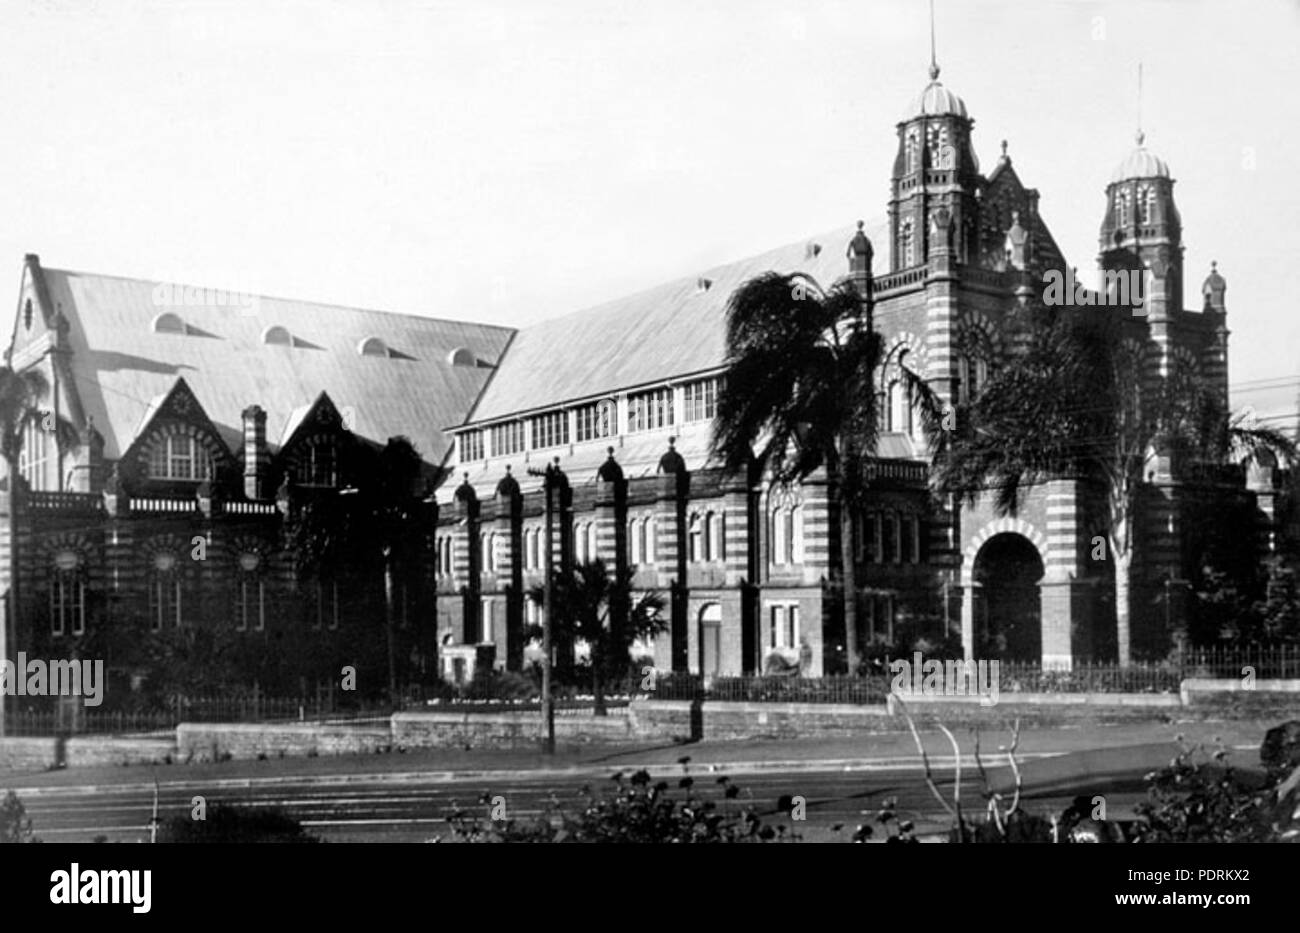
[(1070, 401), (798, 396), (20, 394), (599, 606)]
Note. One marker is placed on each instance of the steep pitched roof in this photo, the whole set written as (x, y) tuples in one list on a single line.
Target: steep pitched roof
[(670, 330), (124, 360)]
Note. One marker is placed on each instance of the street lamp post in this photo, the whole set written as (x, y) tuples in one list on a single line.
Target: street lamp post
[(553, 482)]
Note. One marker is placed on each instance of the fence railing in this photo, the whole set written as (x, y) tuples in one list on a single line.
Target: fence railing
[(1165, 676), (71, 720)]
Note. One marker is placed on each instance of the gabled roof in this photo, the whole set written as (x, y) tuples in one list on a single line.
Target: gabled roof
[(122, 362), (661, 333)]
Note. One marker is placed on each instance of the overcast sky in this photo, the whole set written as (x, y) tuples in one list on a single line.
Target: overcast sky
[(509, 160)]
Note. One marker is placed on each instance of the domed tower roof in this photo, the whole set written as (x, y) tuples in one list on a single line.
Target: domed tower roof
[(936, 101), (1140, 164)]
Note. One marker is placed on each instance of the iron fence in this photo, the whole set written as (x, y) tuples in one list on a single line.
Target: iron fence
[(1163, 676)]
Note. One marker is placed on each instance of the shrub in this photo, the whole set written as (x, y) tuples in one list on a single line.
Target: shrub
[(228, 823), (14, 824), (633, 810)]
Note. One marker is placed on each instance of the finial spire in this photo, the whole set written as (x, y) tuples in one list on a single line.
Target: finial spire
[(1141, 137), (934, 62)]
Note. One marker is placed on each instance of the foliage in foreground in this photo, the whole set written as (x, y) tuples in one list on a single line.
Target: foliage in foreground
[(227, 823), (1201, 797), (14, 824)]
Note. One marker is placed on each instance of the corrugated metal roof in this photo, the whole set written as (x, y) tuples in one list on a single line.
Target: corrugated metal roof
[(122, 365), (667, 331)]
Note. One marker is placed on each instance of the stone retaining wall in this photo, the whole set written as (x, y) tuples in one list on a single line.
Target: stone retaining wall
[(648, 720)]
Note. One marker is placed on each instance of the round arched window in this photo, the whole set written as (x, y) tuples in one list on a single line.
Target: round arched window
[(164, 562), (249, 561)]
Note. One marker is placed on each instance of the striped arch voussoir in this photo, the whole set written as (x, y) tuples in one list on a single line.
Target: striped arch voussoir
[(996, 527)]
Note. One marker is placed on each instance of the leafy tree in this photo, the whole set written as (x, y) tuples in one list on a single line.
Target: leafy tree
[(371, 530), (597, 604), (20, 395), (1070, 401), (798, 396)]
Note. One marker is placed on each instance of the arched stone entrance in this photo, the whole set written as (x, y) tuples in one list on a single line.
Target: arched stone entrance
[(1006, 600)]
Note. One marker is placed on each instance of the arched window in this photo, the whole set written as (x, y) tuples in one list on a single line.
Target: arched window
[(907, 539), (1122, 204), (250, 612), (635, 541), (485, 552), (34, 453), (972, 373), (796, 535), (715, 546), (780, 536), (593, 547), (581, 543), (1146, 204), (277, 336), (165, 592), (695, 540), (650, 557), (179, 456), (67, 595), (907, 243), (900, 407), (912, 148), (372, 346)]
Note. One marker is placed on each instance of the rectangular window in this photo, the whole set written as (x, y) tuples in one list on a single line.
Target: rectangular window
[(648, 411), (907, 542), (507, 438), (777, 630), (551, 430), (252, 604), (165, 601), (792, 627), (179, 456), (889, 538), (701, 400), (471, 446), (67, 605), (595, 421), (485, 621)]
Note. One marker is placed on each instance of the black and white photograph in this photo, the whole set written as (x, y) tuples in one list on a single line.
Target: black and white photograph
[(702, 421)]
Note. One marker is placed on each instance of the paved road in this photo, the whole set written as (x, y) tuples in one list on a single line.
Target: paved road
[(406, 798), (377, 808)]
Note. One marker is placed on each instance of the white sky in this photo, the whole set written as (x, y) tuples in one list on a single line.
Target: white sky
[(507, 160)]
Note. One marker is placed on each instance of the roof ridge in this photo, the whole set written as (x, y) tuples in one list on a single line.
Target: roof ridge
[(303, 301), (686, 279)]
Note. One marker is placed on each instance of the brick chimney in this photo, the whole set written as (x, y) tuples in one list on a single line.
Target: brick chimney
[(257, 459)]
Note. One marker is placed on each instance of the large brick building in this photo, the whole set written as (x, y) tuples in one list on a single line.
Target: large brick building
[(209, 419), (751, 567)]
